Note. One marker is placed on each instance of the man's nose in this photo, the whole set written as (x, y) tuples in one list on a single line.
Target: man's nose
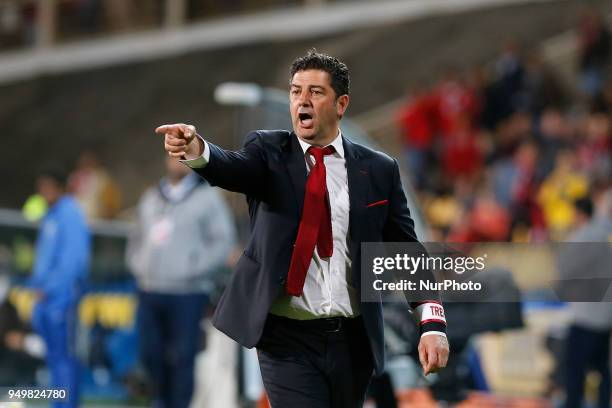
[(304, 99)]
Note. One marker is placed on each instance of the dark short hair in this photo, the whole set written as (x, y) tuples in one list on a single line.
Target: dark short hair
[(337, 70), (55, 173)]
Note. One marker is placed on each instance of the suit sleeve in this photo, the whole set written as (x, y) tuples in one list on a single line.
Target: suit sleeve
[(241, 171), (399, 227)]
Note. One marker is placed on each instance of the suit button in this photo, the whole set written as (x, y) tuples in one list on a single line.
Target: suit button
[(282, 280)]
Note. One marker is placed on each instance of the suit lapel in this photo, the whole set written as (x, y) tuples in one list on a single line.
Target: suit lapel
[(296, 166)]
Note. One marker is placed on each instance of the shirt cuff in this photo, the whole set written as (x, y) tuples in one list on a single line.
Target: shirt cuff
[(429, 333), (201, 161)]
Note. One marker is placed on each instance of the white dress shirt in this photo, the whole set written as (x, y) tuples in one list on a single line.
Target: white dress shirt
[(328, 289)]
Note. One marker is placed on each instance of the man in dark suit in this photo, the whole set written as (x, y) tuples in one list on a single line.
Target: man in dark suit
[(313, 197)]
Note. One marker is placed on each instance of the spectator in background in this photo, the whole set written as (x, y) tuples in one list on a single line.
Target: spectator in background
[(515, 186), (94, 189), (588, 340), (541, 87), (417, 127), (486, 220), (509, 68), (21, 351), (442, 211), (557, 194), (184, 235), (513, 177), (503, 93), (555, 133), (454, 104), (594, 144), (62, 261), (462, 156), (509, 135), (449, 113), (594, 48)]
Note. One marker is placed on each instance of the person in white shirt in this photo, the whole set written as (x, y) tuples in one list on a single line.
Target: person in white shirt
[(314, 196)]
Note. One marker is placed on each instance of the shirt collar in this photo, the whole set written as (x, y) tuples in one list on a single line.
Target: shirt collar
[(180, 190), (337, 144)]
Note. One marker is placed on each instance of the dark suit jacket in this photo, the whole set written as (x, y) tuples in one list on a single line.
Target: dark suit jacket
[(271, 171)]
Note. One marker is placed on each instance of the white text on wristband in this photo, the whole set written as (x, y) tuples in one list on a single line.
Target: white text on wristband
[(430, 312)]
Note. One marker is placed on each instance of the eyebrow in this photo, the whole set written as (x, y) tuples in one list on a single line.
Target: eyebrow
[(310, 86)]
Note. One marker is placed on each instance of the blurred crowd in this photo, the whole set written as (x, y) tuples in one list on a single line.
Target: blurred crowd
[(74, 18), (513, 151), (505, 151), (85, 18), (91, 185)]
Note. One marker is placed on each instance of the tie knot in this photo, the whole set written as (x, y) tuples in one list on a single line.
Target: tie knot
[(319, 152)]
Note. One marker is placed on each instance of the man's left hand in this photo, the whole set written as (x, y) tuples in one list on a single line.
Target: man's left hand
[(433, 353)]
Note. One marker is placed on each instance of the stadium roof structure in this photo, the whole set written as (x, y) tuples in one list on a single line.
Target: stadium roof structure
[(286, 24)]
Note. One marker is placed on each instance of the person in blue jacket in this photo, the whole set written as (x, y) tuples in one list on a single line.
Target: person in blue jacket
[(63, 251)]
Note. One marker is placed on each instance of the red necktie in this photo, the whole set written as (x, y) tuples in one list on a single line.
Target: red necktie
[(315, 225)]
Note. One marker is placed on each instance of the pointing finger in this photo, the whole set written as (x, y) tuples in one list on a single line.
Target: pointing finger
[(174, 129), (162, 129)]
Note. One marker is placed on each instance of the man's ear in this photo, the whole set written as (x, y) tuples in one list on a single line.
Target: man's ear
[(341, 105)]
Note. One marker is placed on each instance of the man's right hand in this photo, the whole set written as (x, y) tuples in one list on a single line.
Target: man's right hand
[(180, 141)]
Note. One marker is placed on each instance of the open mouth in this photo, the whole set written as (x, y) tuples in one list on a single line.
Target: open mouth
[(305, 119)]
